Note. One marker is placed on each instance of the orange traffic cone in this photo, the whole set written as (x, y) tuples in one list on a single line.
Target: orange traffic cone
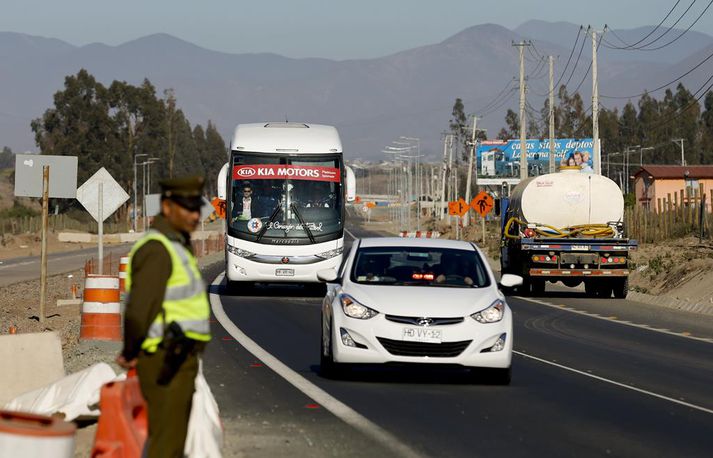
[(123, 423)]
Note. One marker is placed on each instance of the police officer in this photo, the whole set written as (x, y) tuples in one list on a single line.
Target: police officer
[(167, 315)]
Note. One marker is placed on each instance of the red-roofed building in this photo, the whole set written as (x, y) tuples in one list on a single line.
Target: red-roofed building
[(653, 182)]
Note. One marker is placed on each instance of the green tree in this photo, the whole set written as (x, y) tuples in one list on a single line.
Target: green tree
[(457, 126), (80, 125), (512, 121), (215, 156), (7, 158)]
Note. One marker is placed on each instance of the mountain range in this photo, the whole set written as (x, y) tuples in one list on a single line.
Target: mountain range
[(371, 101)]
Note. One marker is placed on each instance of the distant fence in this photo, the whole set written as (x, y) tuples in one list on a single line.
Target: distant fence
[(677, 215), (57, 223)]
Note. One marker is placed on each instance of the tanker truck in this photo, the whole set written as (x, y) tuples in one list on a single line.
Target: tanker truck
[(568, 227)]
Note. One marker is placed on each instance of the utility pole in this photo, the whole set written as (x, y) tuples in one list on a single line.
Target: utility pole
[(446, 141), (470, 169), (523, 121), (552, 114), (595, 108), (683, 158)]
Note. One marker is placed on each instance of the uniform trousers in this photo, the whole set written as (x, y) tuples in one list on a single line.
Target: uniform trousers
[(169, 406)]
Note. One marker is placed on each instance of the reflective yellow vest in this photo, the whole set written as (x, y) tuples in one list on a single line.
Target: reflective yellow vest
[(185, 300)]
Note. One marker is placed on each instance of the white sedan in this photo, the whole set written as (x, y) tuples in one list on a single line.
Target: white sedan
[(407, 300)]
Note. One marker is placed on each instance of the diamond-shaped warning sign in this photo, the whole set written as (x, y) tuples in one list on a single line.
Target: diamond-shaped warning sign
[(483, 203), (458, 207)]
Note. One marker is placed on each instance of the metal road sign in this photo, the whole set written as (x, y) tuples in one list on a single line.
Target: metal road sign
[(219, 207), (113, 196), (206, 209), (28, 175), (458, 207), (153, 204), (483, 203)]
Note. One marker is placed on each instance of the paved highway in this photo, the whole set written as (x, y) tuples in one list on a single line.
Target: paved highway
[(15, 270), (591, 377)]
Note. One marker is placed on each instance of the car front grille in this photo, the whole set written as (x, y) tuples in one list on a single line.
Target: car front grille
[(438, 350), (417, 320)]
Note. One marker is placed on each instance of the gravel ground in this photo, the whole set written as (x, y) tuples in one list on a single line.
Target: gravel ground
[(19, 307)]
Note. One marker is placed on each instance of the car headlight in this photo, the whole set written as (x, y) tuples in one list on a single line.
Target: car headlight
[(492, 314), (331, 253), (354, 309), (240, 252)]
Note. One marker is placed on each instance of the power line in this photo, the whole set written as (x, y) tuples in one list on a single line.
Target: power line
[(681, 111), (566, 66), (707, 58), (589, 68), (495, 99), (682, 33), (577, 62), (502, 103), (650, 33), (646, 46)]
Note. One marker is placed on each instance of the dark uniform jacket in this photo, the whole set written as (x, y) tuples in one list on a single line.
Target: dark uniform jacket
[(150, 271)]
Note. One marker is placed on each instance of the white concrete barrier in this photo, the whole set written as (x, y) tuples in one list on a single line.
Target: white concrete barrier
[(29, 361)]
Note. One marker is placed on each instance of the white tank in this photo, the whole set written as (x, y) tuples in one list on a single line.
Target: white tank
[(567, 198)]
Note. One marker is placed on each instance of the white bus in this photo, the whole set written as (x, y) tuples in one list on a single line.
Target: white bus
[(285, 189)]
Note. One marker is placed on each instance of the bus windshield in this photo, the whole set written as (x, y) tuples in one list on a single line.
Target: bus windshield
[(286, 198)]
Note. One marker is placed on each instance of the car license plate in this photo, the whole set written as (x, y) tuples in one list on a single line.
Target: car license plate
[(422, 335), (580, 247), (284, 272)]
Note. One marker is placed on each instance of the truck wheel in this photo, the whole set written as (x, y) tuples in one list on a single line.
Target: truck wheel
[(604, 291), (590, 289), (538, 287), (621, 288), (525, 288)]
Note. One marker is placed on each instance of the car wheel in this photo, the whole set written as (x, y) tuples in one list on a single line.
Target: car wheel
[(621, 288), (327, 367), (491, 376)]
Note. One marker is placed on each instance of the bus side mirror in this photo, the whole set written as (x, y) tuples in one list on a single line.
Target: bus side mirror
[(351, 185), (223, 182)]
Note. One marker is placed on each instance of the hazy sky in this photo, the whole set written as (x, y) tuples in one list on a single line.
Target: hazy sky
[(335, 29)]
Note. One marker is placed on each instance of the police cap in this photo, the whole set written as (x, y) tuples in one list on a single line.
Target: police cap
[(185, 191)]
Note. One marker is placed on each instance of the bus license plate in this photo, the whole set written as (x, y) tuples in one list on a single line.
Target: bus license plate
[(422, 335), (284, 272)]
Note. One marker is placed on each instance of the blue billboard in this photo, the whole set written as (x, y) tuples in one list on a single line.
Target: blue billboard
[(501, 158)]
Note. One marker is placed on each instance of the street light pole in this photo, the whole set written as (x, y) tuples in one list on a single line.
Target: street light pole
[(135, 191)]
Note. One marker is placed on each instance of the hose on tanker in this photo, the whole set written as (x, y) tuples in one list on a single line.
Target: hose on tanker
[(584, 230)]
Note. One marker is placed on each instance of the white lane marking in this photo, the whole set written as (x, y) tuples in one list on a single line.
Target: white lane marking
[(621, 322), (23, 263), (623, 385), (350, 233), (336, 407)]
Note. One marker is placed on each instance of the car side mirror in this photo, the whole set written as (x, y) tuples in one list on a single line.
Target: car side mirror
[(327, 275), (510, 280)]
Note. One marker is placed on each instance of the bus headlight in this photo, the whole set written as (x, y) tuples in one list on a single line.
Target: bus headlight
[(240, 252), (331, 253)]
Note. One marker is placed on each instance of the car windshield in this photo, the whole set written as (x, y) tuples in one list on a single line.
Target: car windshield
[(420, 266), (286, 197)]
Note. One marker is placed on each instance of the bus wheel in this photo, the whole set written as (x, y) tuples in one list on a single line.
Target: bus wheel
[(240, 288)]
